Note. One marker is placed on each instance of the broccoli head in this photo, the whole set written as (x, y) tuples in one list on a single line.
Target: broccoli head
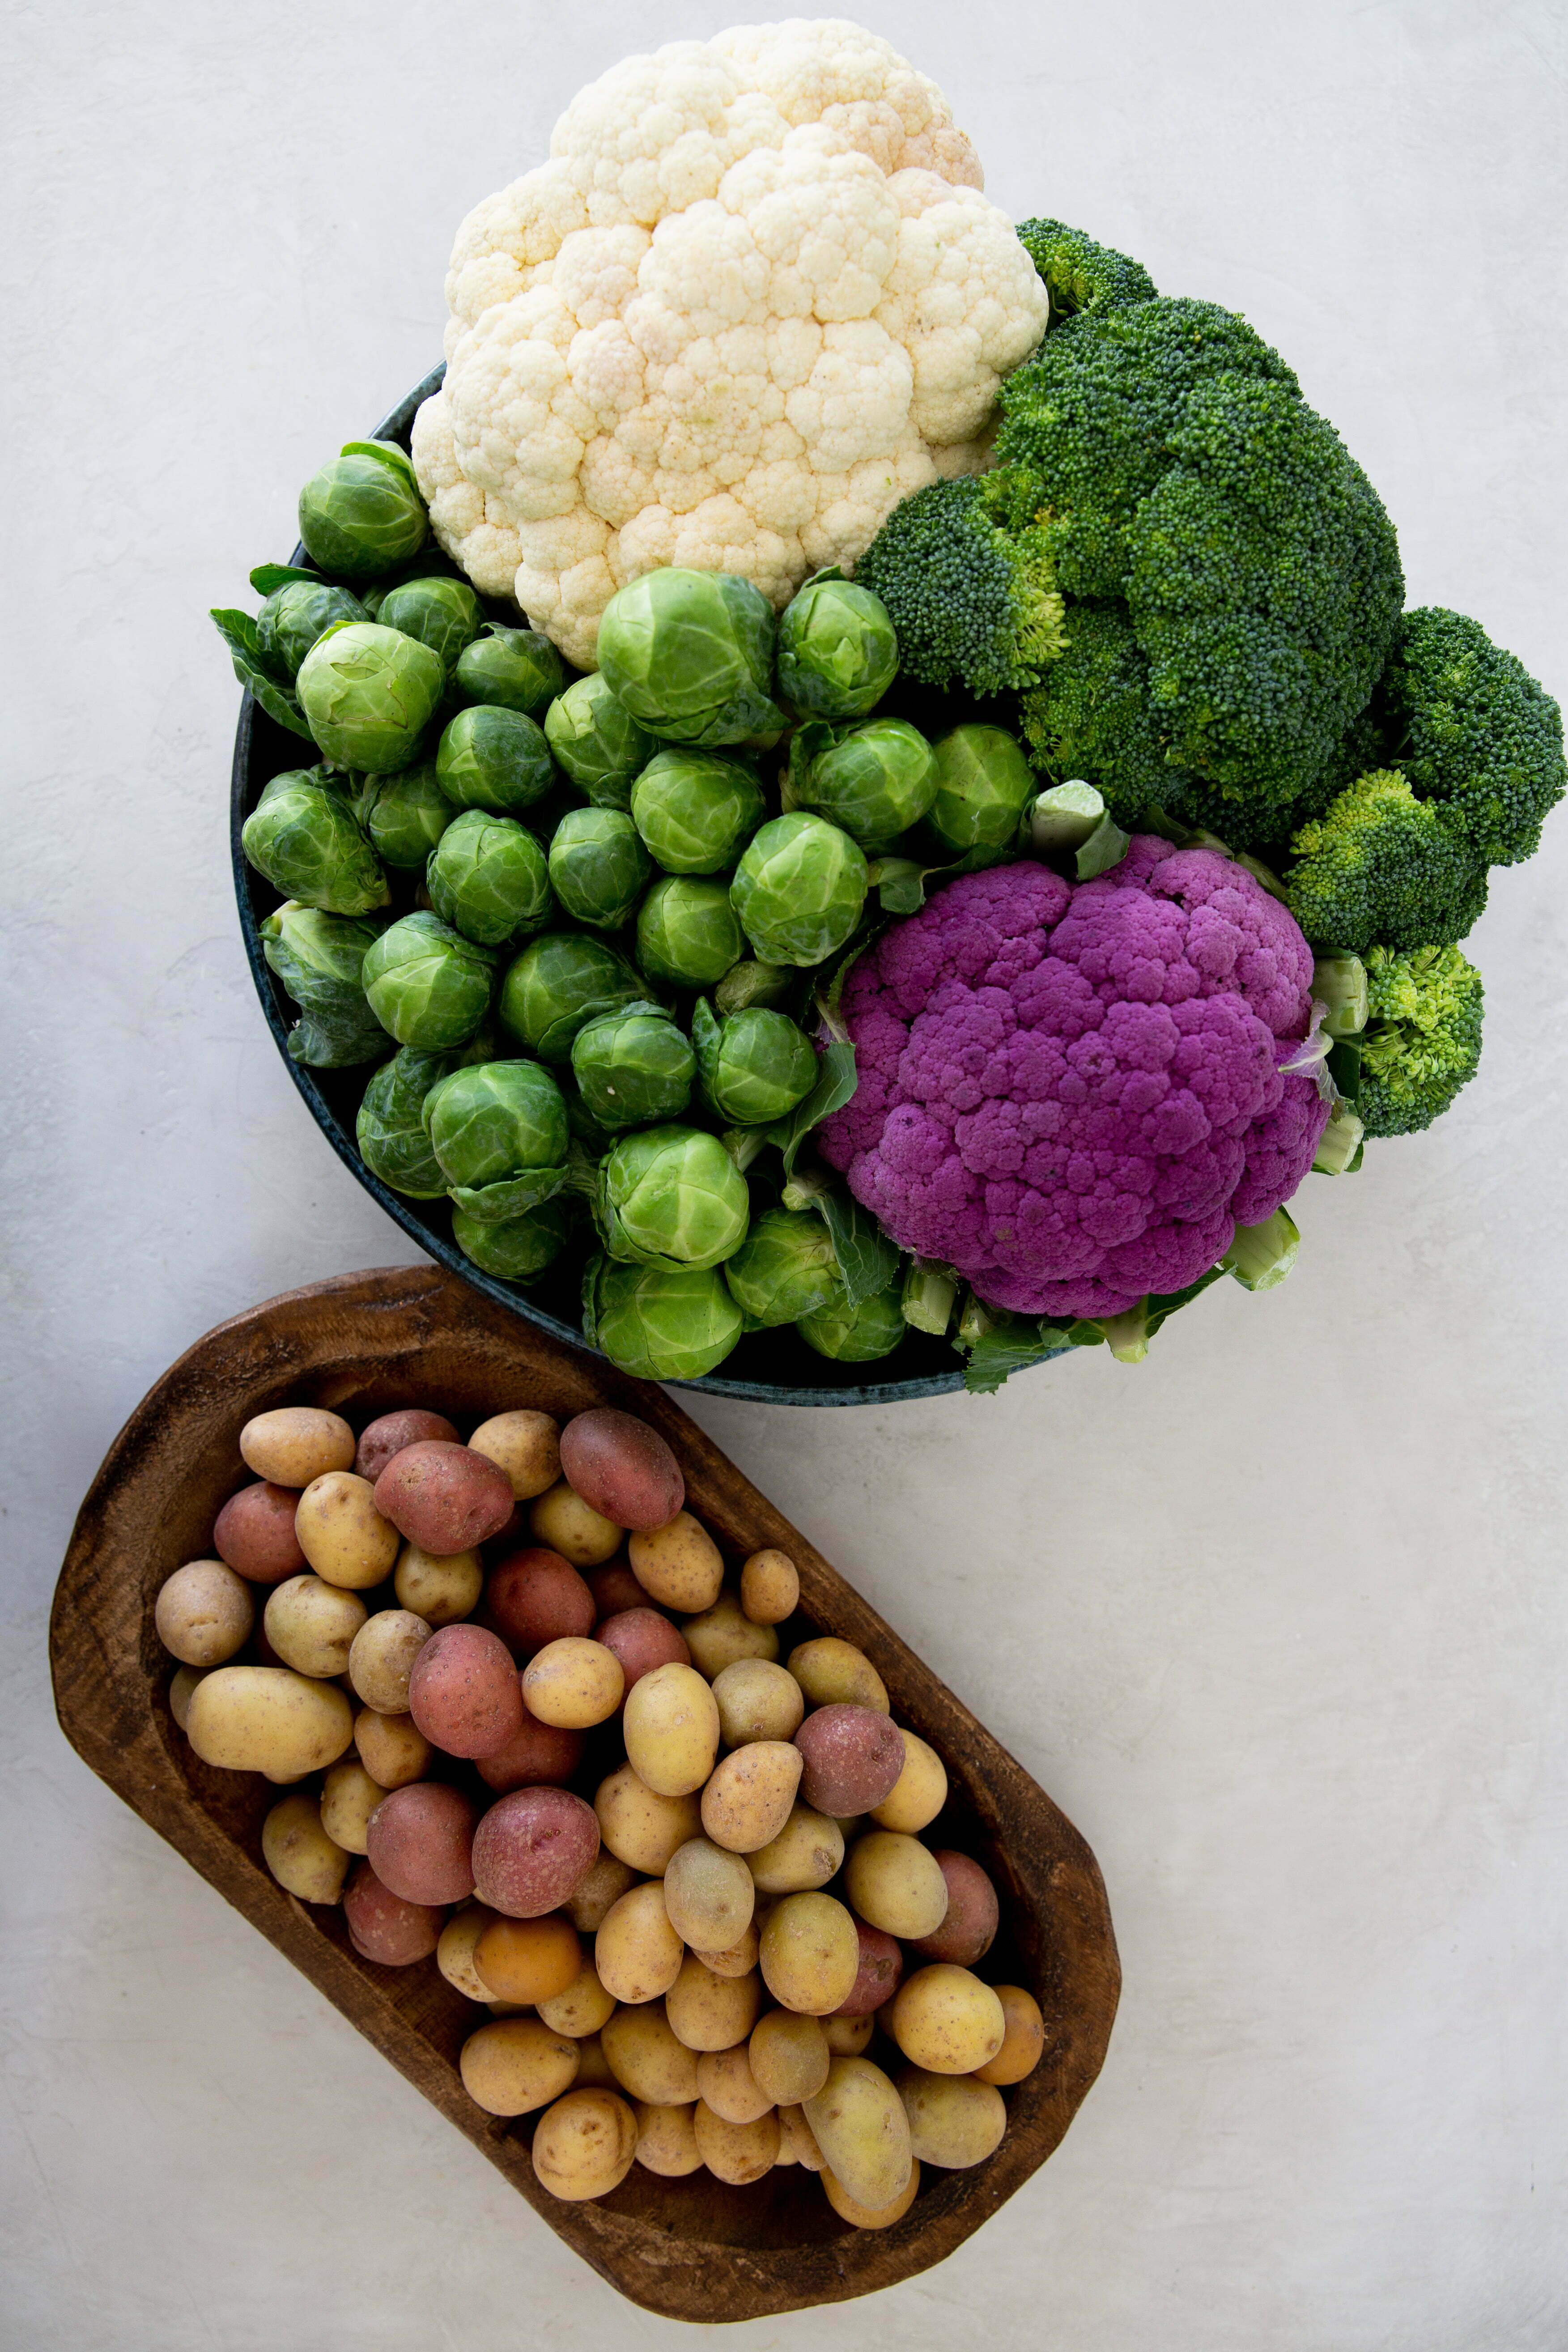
[(1423, 1037), (1474, 733), (967, 599), (1092, 718), (1080, 275), (1382, 865)]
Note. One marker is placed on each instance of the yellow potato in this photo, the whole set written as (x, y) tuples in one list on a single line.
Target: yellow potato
[(645, 2058), (312, 1625), (790, 2057), (919, 1793), (708, 1893), (723, 1635), (593, 2066), (564, 1522), (1023, 2040), (737, 1959), (833, 1673), (797, 2143), (455, 1951), (896, 1883), (526, 1445), (667, 2144), (810, 1954), (204, 1613), (947, 2021), (870, 2217), (639, 1827), (736, 2152), (383, 1655), (583, 2008), (515, 2065), (180, 1691), (757, 1700), (671, 1729), (956, 2120), (342, 1533), (859, 2122), (296, 1444), (637, 1951), (392, 1747), (707, 2012), (349, 1797), (677, 1565), (441, 1588), (847, 2036), (770, 1587), (592, 1898), (584, 2144), (574, 1683), (299, 1853), (267, 1719), (726, 2083), (807, 1852), (750, 1797)]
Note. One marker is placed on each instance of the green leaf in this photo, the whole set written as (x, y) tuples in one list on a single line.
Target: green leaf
[(1009, 1347), (902, 883), (389, 454), (591, 1272), (867, 1259), (267, 577), (1160, 1305), (237, 631), (835, 1084), (512, 1197)]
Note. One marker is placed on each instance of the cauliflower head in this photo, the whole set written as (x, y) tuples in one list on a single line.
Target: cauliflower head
[(1073, 1095), (753, 300)]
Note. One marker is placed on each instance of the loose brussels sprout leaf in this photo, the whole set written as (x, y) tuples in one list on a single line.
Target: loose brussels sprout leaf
[(557, 984), (633, 1067), (517, 669), (598, 866), (321, 1042), (983, 785), (369, 694), (515, 1249), (390, 1129), (512, 1196), (671, 1196), (318, 958), (267, 577), (442, 613), (297, 616), (695, 810), (362, 513), (303, 837), (488, 879), (749, 982), (799, 890), (837, 649), (755, 1067), (239, 632), (597, 741), (687, 931), (427, 985), (405, 814), (783, 1270), (498, 1128), (691, 654), (856, 1334), (874, 781), (657, 1323), (491, 758)]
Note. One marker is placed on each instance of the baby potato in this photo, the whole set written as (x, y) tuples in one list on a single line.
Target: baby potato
[(526, 1445), (642, 1639), (204, 1613), (1023, 2039), (640, 1827), (420, 1841), (723, 1635), (789, 2056), (596, 1892), (707, 2012), (807, 1852), (295, 1443), (637, 1951), (709, 1893), (349, 1797), (969, 1927), (678, 1564), (809, 1954), (538, 1755), (946, 2021), (737, 1959), (956, 2120), (593, 2066), (836, 1674), (584, 2144), (532, 1850), (736, 2152), (530, 1960), (392, 1747), (647, 2059), (667, 2144), (443, 1590), (383, 1927), (180, 1690), (671, 1729), (267, 1719), (615, 1590), (881, 1970), (444, 1498), (382, 1657), (381, 1439), (868, 2217), (919, 1793), (464, 1692), (770, 1587), (751, 1795), (515, 2065), (725, 2081), (533, 1596), (797, 2142), (859, 2122), (847, 2036), (574, 1684), (311, 1625), (622, 1468), (853, 1759), (564, 1522), (345, 1539), (896, 1883), (455, 1951), (254, 1534), (756, 1700), (582, 2008), (299, 1853)]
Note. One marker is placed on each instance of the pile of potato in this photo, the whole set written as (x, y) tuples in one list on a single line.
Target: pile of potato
[(687, 1967)]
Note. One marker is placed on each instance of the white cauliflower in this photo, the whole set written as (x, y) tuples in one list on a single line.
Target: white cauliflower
[(754, 299)]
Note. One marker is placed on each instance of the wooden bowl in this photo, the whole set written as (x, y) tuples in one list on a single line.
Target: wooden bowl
[(363, 1343)]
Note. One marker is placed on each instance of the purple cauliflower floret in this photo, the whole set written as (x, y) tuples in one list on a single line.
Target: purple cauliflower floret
[(1074, 1094)]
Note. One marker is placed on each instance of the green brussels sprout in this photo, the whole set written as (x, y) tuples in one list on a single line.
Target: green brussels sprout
[(784, 1268), (405, 814), (515, 669), (799, 889), (597, 741), (838, 651), (875, 781), (687, 931), (362, 512), (518, 1249), (756, 1066), (427, 983), (499, 1130), (657, 1322), (856, 1334), (297, 616), (690, 654), (318, 958), (695, 810), (598, 866), (983, 785), (633, 1066), (671, 1196), (558, 983), (368, 694), (304, 836), (442, 613), (488, 878), (390, 1129), (492, 758)]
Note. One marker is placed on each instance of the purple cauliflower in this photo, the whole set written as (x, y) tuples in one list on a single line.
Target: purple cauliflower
[(1073, 1094)]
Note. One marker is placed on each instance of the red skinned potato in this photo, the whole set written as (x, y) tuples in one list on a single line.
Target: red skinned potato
[(532, 1850), (383, 1927), (444, 1498), (254, 1534), (969, 1929), (853, 1756), (614, 1588), (621, 1467), (420, 1842), (534, 1597), (380, 1440), (464, 1693), (642, 1639), (540, 1755), (880, 1973)]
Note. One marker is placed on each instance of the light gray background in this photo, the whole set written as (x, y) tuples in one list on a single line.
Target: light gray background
[(1278, 1617)]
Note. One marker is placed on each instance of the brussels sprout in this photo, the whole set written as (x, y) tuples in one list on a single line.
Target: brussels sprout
[(597, 741), (875, 781), (690, 654), (427, 983), (856, 1334), (598, 866), (799, 889), (302, 836), (499, 1130), (749, 982), (362, 512), (983, 785), (491, 758), (405, 814), (756, 1066), (368, 694), (657, 1323), (671, 1196), (488, 878), (687, 931), (838, 652), (633, 1066), (515, 669), (442, 613), (784, 1268), (558, 983), (297, 616), (318, 957), (518, 1249), (695, 810), (390, 1129)]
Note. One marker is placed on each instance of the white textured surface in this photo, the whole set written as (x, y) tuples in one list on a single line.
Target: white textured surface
[(1279, 1618)]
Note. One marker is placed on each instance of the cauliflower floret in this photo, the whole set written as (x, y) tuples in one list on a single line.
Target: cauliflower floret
[(754, 299)]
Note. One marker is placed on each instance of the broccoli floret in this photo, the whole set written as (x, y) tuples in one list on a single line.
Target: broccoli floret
[(1422, 1038), (1474, 733), (967, 599), (1089, 717), (1382, 865), (1080, 275)]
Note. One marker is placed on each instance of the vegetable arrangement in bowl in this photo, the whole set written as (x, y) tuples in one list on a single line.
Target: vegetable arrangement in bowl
[(984, 946)]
